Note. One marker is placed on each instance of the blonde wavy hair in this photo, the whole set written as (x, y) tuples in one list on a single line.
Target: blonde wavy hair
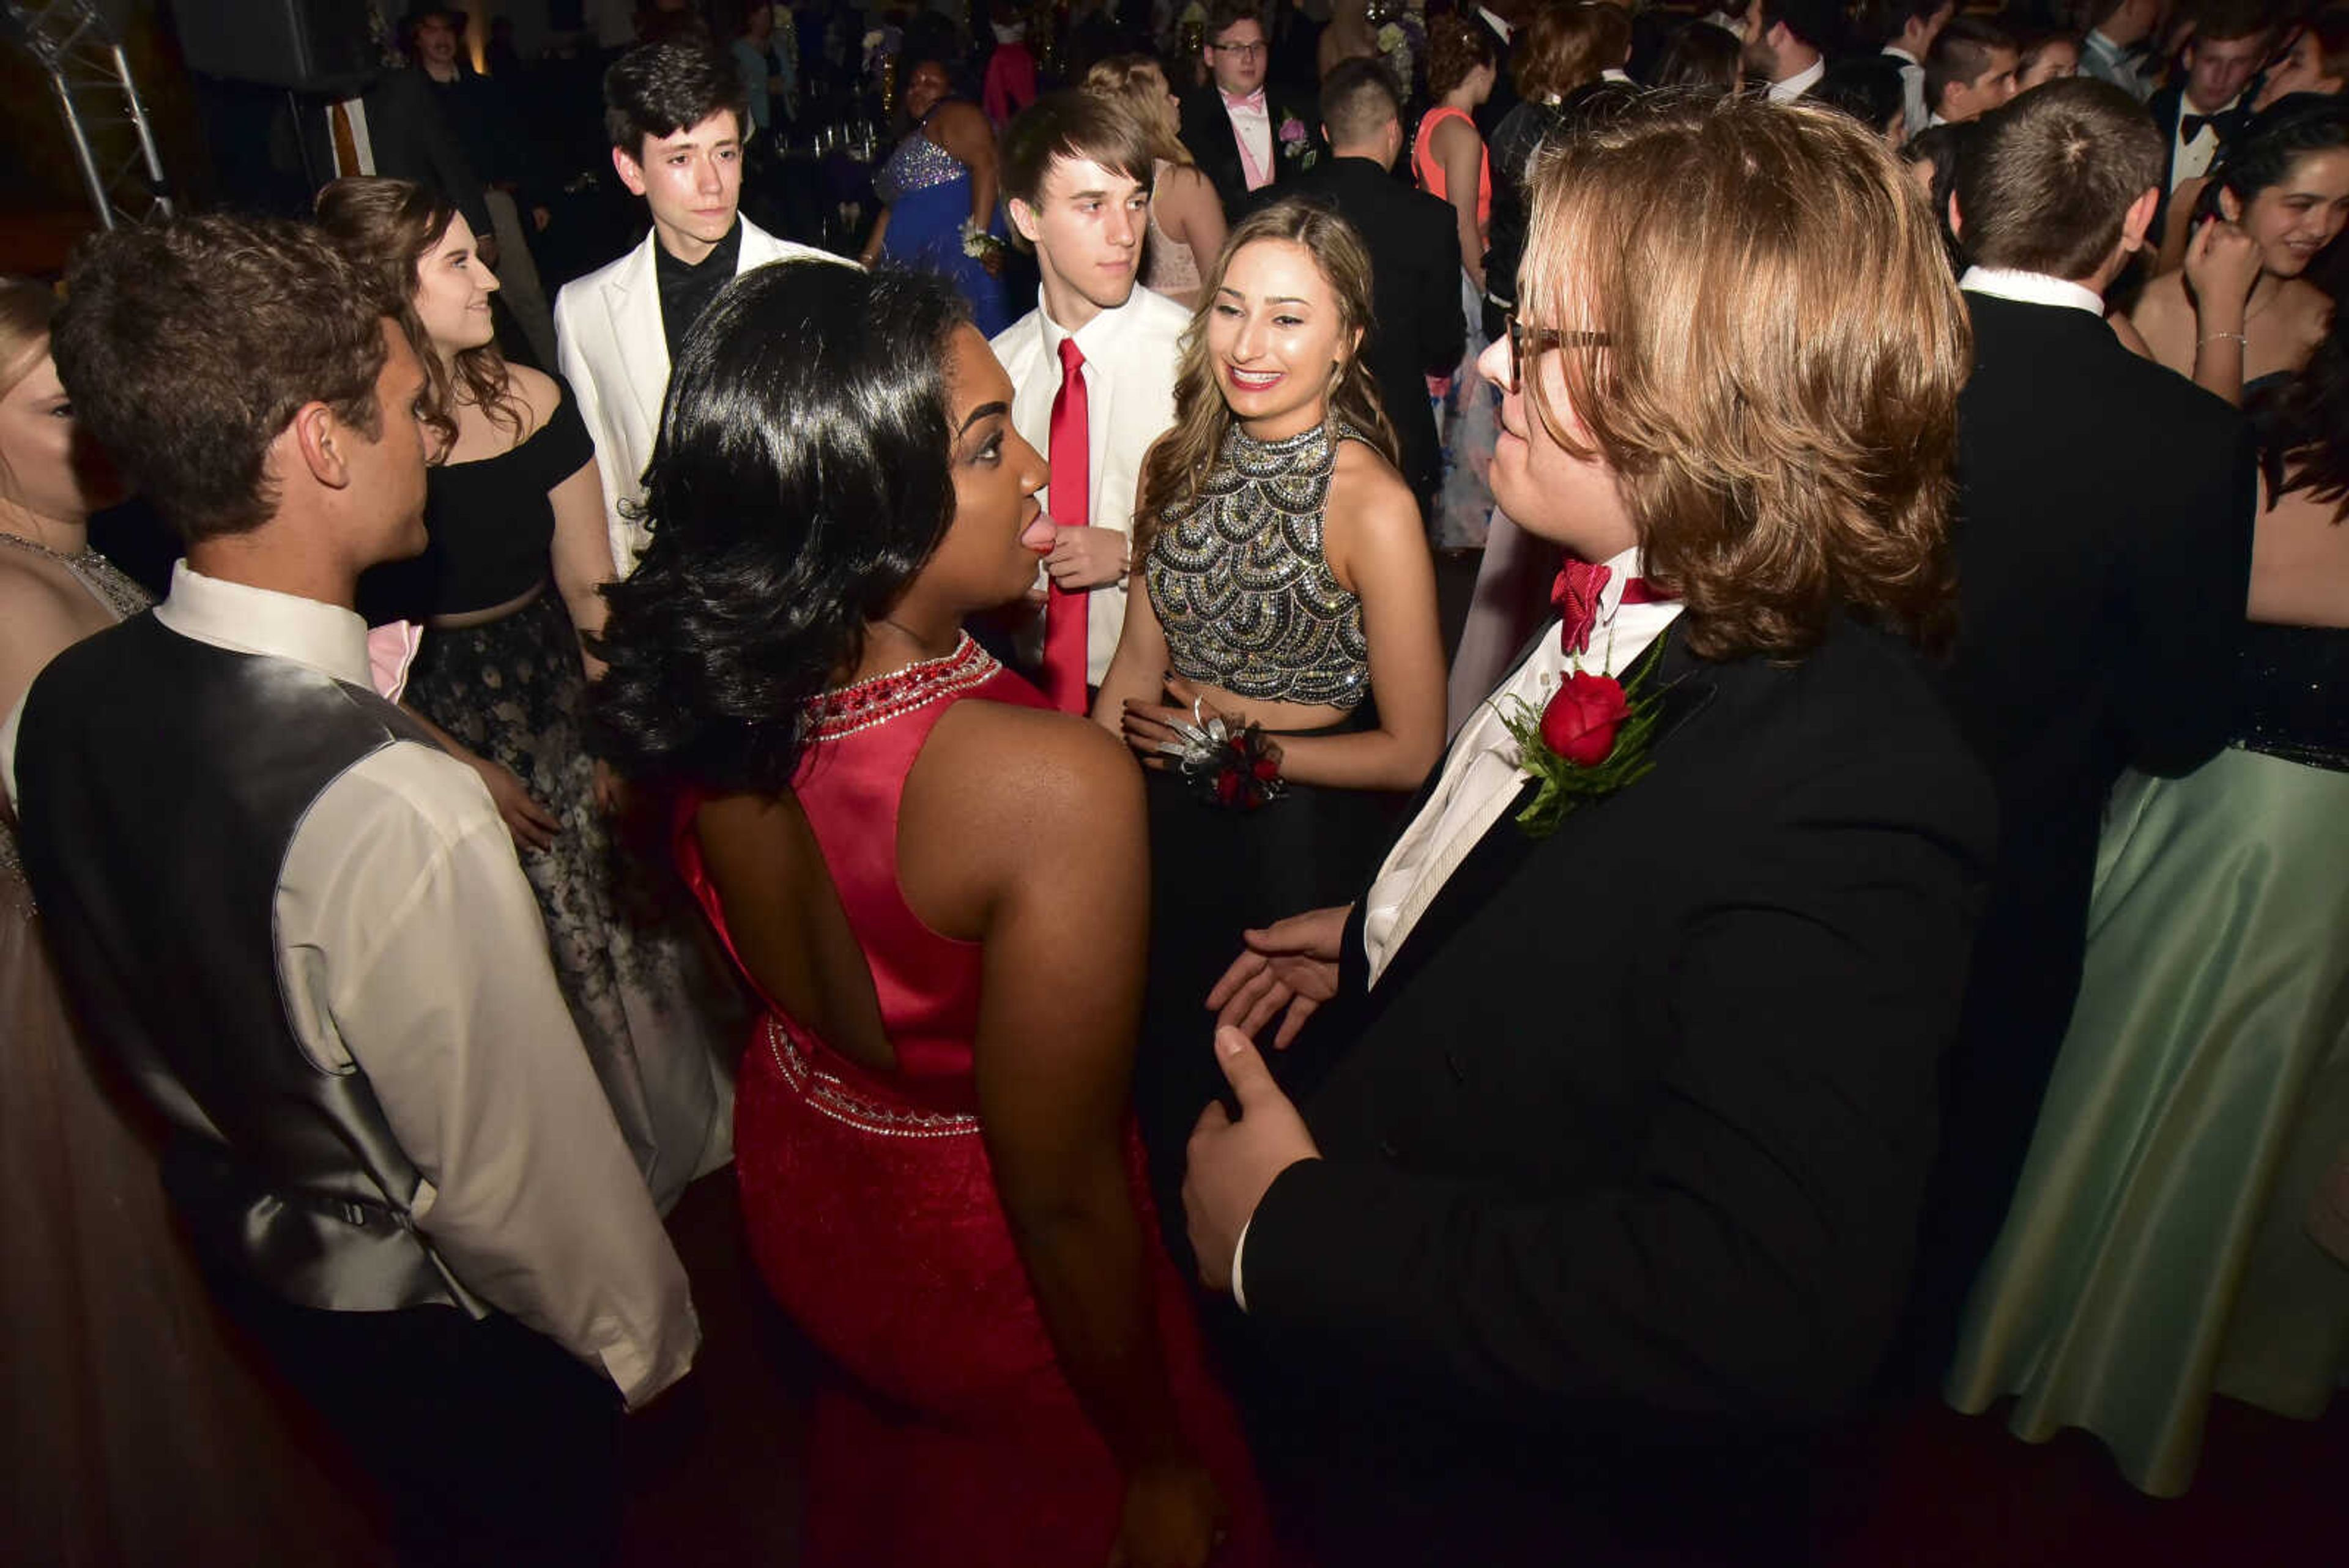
[(1138, 82), (1785, 345), (1180, 458)]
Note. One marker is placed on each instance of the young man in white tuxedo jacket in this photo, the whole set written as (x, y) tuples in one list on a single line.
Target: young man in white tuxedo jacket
[(1076, 175), (675, 112)]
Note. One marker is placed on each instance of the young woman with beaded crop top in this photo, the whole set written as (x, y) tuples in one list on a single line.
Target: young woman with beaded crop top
[(1282, 678)]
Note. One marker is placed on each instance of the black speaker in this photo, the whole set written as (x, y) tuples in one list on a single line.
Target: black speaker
[(309, 45)]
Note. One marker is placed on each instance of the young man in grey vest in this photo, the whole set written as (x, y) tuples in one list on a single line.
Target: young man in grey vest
[(297, 927)]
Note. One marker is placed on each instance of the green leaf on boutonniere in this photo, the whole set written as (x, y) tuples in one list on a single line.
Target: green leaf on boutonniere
[(1590, 741)]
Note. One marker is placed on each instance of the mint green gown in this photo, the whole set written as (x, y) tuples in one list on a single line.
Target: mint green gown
[(2158, 1250)]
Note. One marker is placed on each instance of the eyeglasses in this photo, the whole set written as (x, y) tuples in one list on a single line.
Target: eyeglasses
[(1525, 341), (1244, 51)]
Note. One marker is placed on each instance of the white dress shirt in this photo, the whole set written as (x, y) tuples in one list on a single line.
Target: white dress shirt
[(1801, 82), (1130, 356), (410, 948), (2190, 159), (2107, 62), (2032, 288), (1481, 778)]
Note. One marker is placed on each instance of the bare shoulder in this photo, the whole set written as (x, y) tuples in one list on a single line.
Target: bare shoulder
[(1023, 775), (2163, 304), (1371, 516), (537, 392)]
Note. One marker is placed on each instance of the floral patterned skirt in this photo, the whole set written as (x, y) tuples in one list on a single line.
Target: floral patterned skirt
[(650, 1006)]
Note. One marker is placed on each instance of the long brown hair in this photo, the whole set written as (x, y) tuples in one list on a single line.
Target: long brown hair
[(387, 227), (1183, 456), (1782, 440)]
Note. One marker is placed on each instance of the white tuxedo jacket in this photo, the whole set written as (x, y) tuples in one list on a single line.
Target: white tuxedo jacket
[(1130, 355), (608, 337)]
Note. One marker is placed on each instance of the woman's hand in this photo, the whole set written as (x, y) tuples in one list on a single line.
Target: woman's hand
[(1150, 729), (533, 826), (1290, 965), (2223, 265), (1172, 1518)]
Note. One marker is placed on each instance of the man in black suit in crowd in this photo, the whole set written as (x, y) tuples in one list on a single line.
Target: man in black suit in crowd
[(2104, 557), (1599, 1180), (2197, 116), (1416, 329), (1240, 138)]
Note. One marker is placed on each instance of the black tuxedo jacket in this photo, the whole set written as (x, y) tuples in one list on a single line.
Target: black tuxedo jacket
[(1206, 131), (2166, 105), (1630, 1139), (2103, 546), (1416, 329)]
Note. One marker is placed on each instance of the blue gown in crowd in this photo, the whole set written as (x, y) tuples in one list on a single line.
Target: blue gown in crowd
[(927, 190)]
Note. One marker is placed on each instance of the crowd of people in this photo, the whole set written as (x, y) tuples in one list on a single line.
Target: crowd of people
[(953, 736)]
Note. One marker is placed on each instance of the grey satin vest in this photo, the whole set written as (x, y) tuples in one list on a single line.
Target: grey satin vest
[(160, 780)]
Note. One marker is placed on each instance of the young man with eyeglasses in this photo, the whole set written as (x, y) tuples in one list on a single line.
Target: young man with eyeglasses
[(1240, 138)]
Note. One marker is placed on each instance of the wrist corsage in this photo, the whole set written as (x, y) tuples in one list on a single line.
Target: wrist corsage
[(979, 244), (1587, 742), (1231, 765)]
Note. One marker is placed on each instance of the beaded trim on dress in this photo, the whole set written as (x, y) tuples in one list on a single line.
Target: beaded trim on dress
[(861, 704), (1241, 580)]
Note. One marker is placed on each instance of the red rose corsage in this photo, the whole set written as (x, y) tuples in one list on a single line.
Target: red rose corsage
[(1587, 742), (1235, 766)]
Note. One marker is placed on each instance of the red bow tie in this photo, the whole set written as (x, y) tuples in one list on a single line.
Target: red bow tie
[(1576, 594)]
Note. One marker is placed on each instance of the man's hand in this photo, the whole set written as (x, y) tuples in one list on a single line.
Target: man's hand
[(1083, 558), (1291, 964), (533, 826), (1232, 1163)]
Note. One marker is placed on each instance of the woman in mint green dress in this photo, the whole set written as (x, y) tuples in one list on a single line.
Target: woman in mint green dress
[(2158, 1248)]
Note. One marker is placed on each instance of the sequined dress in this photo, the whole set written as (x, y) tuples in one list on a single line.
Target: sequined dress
[(944, 1431), (139, 1427), (927, 192), (1242, 589), (2158, 1250)]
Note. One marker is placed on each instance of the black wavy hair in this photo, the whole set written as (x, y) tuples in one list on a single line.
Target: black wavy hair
[(2261, 154), (2304, 425), (801, 477), (660, 88)]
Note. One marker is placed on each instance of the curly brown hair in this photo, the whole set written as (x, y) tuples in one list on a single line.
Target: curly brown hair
[(188, 347), (387, 227), (1456, 46), (1782, 442)]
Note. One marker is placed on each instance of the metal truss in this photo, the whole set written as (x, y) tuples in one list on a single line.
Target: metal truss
[(79, 46)]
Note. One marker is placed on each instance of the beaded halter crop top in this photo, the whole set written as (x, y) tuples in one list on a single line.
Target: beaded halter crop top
[(1242, 583)]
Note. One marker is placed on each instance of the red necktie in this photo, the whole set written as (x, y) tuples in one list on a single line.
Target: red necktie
[(1064, 613)]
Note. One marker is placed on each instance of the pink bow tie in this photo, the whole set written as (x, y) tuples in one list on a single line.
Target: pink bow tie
[(1254, 100), (391, 647)]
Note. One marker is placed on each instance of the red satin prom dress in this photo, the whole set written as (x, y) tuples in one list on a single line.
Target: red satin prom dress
[(944, 1431)]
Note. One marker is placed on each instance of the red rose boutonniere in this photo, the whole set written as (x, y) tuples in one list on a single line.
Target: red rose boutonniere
[(1590, 741)]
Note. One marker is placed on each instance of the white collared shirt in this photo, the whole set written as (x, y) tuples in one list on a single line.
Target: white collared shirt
[(410, 948), (1801, 82), (1481, 775), (2192, 160), (1130, 360), (2032, 288), (2107, 62)]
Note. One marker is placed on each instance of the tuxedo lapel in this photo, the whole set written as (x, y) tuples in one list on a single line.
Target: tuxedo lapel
[(1685, 686), (633, 300)]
